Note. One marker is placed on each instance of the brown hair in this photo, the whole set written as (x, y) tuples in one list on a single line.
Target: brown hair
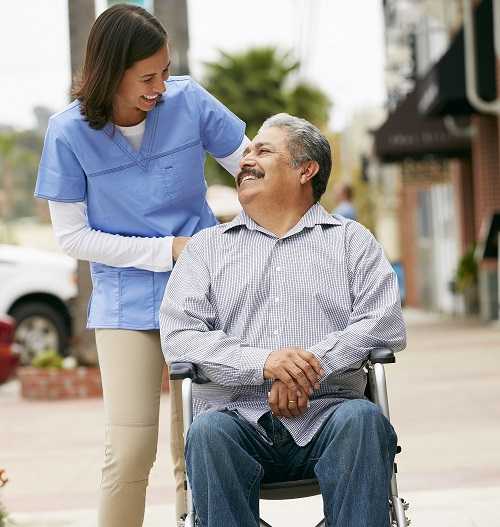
[(121, 36)]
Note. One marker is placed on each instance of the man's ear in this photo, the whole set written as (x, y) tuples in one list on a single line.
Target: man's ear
[(308, 170)]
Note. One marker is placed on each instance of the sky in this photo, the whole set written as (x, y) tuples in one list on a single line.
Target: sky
[(339, 42)]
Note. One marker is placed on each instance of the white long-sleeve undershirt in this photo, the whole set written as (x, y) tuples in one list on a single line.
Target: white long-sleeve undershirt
[(76, 238)]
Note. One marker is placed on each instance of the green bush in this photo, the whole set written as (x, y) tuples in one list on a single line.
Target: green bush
[(4, 517), (466, 274), (48, 359)]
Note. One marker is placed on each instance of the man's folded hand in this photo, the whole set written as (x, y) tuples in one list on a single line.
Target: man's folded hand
[(287, 403), (295, 367)]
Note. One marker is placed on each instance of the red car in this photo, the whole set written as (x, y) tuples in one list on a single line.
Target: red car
[(8, 359)]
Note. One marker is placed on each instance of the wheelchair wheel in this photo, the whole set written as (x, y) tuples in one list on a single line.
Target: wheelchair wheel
[(397, 512), (190, 521)]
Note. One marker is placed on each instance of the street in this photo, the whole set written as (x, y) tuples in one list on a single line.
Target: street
[(444, 395)]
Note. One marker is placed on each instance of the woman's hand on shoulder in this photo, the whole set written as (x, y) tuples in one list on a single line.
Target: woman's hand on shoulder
[(178, 246)]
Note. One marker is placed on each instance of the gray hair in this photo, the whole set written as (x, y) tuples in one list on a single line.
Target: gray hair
[(305, 143)]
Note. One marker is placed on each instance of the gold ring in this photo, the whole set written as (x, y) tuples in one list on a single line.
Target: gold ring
[(292, 404)]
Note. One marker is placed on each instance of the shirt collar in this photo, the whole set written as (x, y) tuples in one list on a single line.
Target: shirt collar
[(316, 215)]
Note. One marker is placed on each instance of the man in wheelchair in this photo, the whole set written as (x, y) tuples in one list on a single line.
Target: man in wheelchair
[(280, 309)]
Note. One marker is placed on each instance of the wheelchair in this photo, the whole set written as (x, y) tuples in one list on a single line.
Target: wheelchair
[(376, 391)]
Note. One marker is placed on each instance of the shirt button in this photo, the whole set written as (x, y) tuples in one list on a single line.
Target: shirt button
[(277, 299), (276, 331), (278, 269)]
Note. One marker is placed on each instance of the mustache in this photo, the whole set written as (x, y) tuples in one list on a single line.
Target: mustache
[(249, 172)]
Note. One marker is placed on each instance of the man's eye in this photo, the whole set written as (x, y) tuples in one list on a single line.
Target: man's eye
[(148, 80)]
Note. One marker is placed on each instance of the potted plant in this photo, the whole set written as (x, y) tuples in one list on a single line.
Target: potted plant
[(51, 376), (466, 281)]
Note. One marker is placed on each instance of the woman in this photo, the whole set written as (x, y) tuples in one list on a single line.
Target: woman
[(122, 168)]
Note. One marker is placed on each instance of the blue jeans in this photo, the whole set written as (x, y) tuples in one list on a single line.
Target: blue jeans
[(351, 455)]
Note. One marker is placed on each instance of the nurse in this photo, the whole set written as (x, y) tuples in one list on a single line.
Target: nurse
[(122, 169)]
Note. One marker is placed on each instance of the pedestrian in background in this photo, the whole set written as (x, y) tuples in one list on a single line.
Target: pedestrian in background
[(345, 207), (123, 170)]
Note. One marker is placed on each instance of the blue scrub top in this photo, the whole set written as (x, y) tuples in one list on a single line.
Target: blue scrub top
[(159, 190)]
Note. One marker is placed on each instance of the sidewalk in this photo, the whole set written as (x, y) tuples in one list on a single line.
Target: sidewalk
[(445, 404)]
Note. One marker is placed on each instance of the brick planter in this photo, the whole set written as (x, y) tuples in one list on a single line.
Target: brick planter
[(55, 384)]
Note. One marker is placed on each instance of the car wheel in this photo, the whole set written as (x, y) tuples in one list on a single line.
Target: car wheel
[(39, 327)]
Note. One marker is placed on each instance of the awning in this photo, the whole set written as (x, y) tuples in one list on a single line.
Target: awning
[(442, 91), (407, 134)]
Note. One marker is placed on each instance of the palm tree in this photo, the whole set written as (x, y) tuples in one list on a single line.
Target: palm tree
[(256, 84)]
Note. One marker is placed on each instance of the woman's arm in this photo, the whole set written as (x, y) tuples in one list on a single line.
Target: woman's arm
[(77, 239), (232, 162)]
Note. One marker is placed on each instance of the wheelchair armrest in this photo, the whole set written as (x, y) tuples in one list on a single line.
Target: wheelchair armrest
[(186, 370), (382, 356), (182, 370)]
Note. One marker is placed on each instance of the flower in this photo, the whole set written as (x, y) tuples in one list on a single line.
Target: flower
[(69, 363), (3, 477)]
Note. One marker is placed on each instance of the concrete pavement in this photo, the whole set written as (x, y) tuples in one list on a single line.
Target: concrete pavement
[(445, 404)]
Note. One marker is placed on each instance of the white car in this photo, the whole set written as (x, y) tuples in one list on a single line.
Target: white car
[(36, 289)]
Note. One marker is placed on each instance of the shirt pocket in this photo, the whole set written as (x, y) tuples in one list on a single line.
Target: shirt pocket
[(104, 305), (179, 175), (137, 299), (117, 196)]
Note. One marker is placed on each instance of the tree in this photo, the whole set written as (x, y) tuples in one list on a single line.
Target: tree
[(174, 16), (256, 84), (81, 15), (310, 103), (19, 155)]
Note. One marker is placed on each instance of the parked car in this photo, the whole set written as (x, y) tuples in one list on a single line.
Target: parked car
[(36, 289), (8, 358)]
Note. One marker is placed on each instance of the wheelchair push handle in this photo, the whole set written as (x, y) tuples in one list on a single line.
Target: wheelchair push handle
[(186, 370), (182, 370), (382, 356)]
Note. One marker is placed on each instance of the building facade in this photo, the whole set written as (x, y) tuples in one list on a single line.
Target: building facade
[(446, 155)]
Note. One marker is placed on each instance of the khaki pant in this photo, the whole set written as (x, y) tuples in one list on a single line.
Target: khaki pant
[(131, 364)]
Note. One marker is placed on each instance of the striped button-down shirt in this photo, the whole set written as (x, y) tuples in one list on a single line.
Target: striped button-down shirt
[(238, 292)]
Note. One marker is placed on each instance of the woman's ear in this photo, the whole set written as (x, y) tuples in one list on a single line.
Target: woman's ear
[(308, 170)]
